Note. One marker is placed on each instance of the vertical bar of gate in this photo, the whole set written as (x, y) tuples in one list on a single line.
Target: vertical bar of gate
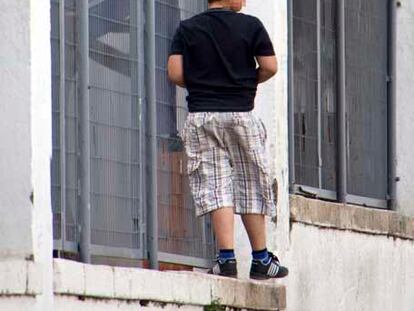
[(319, 90), (82, 9), (342, 145), (152, 206), (291, 99), (392, 118), (62, 125), (136, 8)]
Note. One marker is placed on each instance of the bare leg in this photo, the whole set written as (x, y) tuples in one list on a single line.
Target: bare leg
[(223, 224), (256, 230)]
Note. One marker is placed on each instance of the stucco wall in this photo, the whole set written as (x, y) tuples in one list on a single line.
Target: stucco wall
[(342, 270), (405, 107), (25, 132), (15, 123), (41, 144)]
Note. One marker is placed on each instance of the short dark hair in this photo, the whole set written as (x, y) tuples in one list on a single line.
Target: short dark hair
[(211, 1)]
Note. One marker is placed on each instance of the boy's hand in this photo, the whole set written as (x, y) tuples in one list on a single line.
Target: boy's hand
[(176, 70)]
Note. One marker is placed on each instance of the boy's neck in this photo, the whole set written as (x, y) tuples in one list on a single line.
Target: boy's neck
[(224, 4)]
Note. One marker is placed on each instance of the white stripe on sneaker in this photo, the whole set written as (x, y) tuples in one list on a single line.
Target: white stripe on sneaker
[(216, 269), (273, 270)]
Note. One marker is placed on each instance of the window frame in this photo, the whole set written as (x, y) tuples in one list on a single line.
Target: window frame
[(341, 195)]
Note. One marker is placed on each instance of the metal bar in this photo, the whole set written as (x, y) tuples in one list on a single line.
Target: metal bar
[(319, 89), (185, 260), (315, 192), (111, 251), (70, 246), (342, 146), (137, 86), (102, 250), (151, 144), (392, 100), (330, 195), (62, 125), (364, 201), (291, 99), (141, 113), (84, 130), (133, 52)]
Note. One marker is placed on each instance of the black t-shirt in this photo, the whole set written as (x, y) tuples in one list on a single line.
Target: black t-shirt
[(219, 48)]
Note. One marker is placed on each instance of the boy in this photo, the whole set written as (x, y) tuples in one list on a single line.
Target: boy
[(214, 56)]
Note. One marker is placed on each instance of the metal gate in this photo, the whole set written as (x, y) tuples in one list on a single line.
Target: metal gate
[(117, 134)]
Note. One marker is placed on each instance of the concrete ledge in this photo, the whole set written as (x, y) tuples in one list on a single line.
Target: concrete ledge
[(350, 217), (183, 288), (20, 277)]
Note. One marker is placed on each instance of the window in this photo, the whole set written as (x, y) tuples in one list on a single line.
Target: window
[(117, 134), (314, 99)]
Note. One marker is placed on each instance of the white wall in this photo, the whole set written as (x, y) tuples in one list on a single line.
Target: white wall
[(271, 107), (405, 107), (15, 126), (25, 132), (342, 270), (41, 136)]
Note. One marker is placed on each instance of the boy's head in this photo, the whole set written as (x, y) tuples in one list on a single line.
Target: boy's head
[(234, 5)]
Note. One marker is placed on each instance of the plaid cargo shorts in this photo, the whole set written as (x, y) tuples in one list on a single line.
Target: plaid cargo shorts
[(226, 162)]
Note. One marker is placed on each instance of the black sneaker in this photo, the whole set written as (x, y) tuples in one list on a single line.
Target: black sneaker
[(272, 269), (225, 267)]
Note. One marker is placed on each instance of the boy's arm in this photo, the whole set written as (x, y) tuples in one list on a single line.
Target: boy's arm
[(176, 69), (267, 68)]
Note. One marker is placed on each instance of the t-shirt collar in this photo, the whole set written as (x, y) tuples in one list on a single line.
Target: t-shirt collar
[(218, 10)]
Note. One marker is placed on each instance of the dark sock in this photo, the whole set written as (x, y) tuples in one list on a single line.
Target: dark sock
[(226, 254), (261, 255)]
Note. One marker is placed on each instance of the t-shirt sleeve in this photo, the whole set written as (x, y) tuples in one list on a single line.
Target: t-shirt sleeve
[(262, 45), (177, 45)]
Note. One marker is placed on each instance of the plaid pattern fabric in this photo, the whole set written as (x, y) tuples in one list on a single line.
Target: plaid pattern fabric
[(226, 162)]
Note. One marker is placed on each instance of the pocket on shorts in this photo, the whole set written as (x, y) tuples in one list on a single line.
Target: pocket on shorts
[(193, 164), (192, 149), (264, 178), (262, 130)]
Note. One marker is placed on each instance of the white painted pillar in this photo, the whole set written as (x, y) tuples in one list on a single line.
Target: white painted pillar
[(26, 146), (405, 107)]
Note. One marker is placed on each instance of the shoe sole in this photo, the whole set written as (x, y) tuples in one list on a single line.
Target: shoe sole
[(265, 277), (233, 276)]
